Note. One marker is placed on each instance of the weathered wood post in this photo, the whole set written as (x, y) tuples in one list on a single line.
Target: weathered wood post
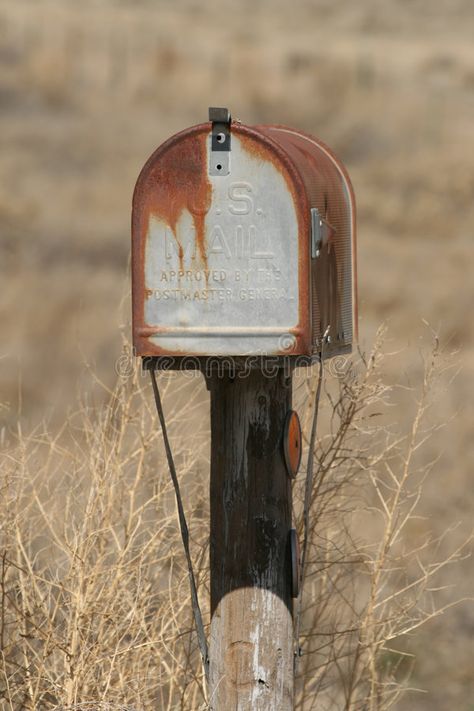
[(251, 639), (243, 257)]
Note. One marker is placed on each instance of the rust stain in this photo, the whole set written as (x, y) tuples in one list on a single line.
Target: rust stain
[(178, 180), (173, 179)]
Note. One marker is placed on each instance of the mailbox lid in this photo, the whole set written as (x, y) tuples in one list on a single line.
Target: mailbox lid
[(221, 263)]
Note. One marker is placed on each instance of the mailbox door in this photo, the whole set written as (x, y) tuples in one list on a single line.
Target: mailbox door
[(221, 263)]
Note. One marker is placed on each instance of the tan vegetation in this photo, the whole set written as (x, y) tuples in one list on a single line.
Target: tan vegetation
[(95, 604)]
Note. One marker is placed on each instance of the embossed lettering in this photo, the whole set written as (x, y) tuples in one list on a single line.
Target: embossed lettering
[(239, 193), (218, 243), (173, 247), (255, 247)]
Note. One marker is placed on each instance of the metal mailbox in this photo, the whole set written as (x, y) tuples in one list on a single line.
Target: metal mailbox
[(243, 243)]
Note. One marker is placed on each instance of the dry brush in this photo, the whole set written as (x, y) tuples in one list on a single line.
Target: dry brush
[(94, 601)]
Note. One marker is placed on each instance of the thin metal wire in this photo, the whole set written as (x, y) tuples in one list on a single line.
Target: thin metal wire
[(307, 498), (184, 532)]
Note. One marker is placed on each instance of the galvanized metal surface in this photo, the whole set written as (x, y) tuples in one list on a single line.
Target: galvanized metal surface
[(222, 263)]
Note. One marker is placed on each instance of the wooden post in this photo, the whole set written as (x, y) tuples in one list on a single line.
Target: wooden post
[(251, 640)]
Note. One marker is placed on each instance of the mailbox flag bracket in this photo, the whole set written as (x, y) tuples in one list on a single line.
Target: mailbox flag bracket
[(219, 159)]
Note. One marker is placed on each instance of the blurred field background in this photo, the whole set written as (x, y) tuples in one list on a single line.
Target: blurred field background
[(88, 90)]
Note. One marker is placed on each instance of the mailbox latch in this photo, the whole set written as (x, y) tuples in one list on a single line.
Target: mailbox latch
[(321, 232), (219, 158), (316, 232)]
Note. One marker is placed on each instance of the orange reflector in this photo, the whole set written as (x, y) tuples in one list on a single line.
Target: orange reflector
[(292, 444)]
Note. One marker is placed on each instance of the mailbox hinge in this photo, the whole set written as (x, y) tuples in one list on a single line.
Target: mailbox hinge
[(219, 158)]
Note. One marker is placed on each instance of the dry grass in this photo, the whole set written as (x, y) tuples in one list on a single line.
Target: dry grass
[(94, 591), (372, 582)]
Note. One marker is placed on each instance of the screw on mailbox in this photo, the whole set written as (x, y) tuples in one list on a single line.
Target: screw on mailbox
[(244, 268)]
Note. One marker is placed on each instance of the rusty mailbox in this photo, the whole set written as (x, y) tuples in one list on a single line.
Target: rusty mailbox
[(243, 242)]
